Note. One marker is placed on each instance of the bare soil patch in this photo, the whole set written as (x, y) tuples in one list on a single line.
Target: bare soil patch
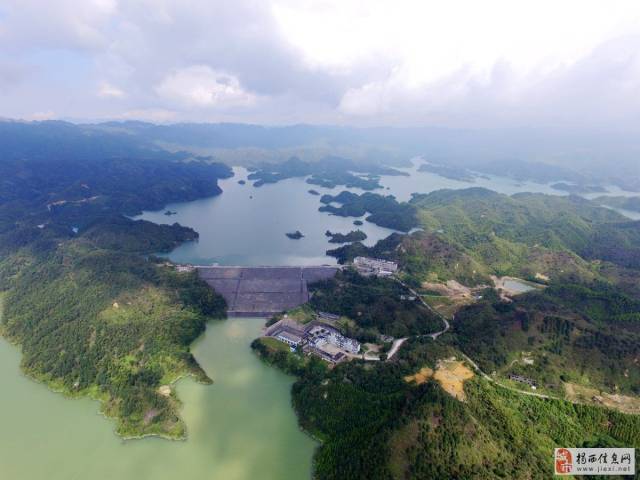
[(450, 374), (582, 394)]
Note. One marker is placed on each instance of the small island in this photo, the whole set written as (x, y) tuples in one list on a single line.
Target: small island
[(448, 171), (168, 213), (314, 192), (353, 236), (241, 182), (358, 223), (297, 235), (578, 189), (626, 203)]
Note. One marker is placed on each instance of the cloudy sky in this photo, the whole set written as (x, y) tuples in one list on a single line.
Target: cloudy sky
[(488, 63)]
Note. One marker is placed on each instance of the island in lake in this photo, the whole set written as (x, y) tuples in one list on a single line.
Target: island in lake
[(314, 192), (297, 235), (578, 189), (328, 172), (353, 236), (168, 213), (449, 171), (625, 203)]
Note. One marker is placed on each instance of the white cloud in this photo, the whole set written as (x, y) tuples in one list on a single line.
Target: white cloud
[(109, 91), (155, 115), (454, 63), (201, 86), (61, 24), (41, 116)]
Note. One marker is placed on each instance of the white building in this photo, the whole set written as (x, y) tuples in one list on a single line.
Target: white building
[(289, 338), (322, 334), (375, 266)]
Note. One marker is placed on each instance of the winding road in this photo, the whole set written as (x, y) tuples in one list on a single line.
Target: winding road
[(398, 343)]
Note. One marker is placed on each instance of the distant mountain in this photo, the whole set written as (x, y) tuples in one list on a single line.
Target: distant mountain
[(525, 154)]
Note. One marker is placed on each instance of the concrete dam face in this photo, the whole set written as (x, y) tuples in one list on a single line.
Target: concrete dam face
[(263, 291)]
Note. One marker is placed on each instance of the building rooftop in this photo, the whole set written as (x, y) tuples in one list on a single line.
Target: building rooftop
[(292, 337)]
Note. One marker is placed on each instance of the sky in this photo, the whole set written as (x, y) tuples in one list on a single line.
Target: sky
[(571, 64)]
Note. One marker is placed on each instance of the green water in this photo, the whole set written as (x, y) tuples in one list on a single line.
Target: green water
[(241, 427), (519, 286), (247, 225)]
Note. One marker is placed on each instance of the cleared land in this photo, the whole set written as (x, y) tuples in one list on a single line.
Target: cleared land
[(263, 291), (582, 394), (450, 374)]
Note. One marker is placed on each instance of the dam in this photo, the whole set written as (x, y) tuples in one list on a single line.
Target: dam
[(263, 291)]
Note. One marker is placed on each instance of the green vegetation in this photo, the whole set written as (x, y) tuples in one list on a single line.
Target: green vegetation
[(385, 248), (328, 172), (384, 211), (94, 314), (449, 171), (375, 425), (472, 234), (625, 203), (578, 189), (523, 235), (376, 305), (352, 236), (568, 333), (278, 354), (113, 326)]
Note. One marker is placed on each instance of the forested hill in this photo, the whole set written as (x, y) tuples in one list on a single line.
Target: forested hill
[(559, 363), (94, 313)]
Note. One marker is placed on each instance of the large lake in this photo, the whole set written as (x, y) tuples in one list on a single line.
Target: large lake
[(247, 225), (241, 427)]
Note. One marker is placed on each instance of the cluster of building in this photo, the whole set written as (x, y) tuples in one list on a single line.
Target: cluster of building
[(374, 266), (316, 338)]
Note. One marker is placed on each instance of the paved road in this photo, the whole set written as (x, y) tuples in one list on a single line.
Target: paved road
[(495, 382), (435, 312), (398, 343)]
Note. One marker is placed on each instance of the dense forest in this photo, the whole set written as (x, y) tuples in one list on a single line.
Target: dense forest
[(328, 172), (571, 334), (384, 211), (626, 203), (376, 305), (374, 424), (352, 236), (94, 313)]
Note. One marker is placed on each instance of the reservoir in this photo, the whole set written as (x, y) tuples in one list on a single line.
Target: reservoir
[(246, 226), (518, 286), (241, 427)]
